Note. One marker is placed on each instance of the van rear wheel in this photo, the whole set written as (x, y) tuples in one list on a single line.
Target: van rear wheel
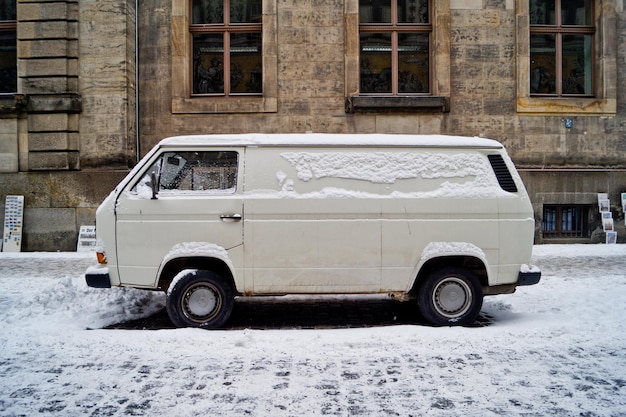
[(200, 299), (450, 296)]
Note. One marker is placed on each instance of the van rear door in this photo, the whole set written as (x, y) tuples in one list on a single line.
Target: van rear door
[(197, 198)]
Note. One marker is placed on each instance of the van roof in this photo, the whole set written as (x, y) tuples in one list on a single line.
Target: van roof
[(327, 139)]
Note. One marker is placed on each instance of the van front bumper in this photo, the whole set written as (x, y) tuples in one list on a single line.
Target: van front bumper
[(529, 276), (98, 277)]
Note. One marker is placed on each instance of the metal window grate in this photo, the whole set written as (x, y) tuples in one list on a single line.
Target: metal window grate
[(565, 221)]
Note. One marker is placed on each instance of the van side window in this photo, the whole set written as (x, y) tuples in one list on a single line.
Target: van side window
[(193, 171)]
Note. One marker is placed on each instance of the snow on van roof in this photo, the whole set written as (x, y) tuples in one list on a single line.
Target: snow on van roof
[(317, 139)]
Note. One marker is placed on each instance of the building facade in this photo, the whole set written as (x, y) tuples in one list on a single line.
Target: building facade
[(88, 86)]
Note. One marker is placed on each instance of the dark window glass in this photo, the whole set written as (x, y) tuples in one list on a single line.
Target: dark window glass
[(543, 64), (207, 12), (245, 11), (394, 47), (413, 62), (561, 47), (375, 62), (375, 11), (542, 12), (8, 10), (8, 46), (227, 47), (565, 221), (413, 11), (208, 63), (577, 12), (577, 61), (245, 63)]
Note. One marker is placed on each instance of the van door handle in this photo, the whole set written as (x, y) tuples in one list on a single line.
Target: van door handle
[(235, 217)]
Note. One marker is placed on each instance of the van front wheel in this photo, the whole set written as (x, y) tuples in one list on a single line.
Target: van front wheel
[(200, 299), (450, 296)]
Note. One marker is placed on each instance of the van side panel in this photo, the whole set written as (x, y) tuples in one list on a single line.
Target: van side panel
[(312, 246), (411, 224), (301, 240), (357, 220), (517, 230)]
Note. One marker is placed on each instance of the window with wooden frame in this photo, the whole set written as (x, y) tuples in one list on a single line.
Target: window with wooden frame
[(395, 45), (8, 46), (221, 62), (562, 47), (566, 57), (565, 221), (227, 47)]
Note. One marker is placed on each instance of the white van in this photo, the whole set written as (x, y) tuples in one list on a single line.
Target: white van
[(439, 220)]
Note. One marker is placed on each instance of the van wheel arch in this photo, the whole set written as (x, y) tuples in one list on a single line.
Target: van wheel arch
[(173, 267), (471, 263)]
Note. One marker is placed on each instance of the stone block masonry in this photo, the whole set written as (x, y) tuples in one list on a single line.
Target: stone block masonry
[(48, 77)]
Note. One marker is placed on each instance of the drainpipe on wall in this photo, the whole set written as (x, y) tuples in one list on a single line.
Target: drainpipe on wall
[(137, 146)]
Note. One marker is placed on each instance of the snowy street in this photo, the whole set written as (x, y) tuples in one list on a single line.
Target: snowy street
[(557, 348)]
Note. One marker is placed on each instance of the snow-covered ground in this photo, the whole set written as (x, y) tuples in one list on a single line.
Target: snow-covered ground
[(557, 348)]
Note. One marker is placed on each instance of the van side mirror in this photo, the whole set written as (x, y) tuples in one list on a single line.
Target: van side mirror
[(154, 185)]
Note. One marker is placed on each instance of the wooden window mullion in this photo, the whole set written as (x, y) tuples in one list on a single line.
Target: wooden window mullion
[(226, 63)]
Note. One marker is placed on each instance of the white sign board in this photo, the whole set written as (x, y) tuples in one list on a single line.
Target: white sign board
[(86, 239), (13, 222)]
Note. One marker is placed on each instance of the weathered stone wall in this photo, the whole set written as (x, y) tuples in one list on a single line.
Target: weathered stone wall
[(75, 111), (57, 204), (107, 83), (48, 77)]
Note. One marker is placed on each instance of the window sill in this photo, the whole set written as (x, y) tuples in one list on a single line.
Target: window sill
[(581, 106), (357, 104), (12, 103), (199, 105)]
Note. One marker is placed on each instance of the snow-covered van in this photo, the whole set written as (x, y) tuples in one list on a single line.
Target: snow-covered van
[(437, 220)]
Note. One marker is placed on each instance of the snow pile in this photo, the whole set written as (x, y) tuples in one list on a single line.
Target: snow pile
[(66, 300), (385, 167), (71, 301), (556, 348)]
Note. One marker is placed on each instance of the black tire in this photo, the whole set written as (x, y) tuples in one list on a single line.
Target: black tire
[(450, 296), (200, 299)]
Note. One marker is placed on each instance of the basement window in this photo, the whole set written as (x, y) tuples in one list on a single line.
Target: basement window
[(565, 221)]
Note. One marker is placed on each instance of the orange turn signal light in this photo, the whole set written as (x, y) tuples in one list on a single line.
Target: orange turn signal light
[(102, 258)]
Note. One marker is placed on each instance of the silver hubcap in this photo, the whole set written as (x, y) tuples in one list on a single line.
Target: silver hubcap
[(201, 302), (452, 297)]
